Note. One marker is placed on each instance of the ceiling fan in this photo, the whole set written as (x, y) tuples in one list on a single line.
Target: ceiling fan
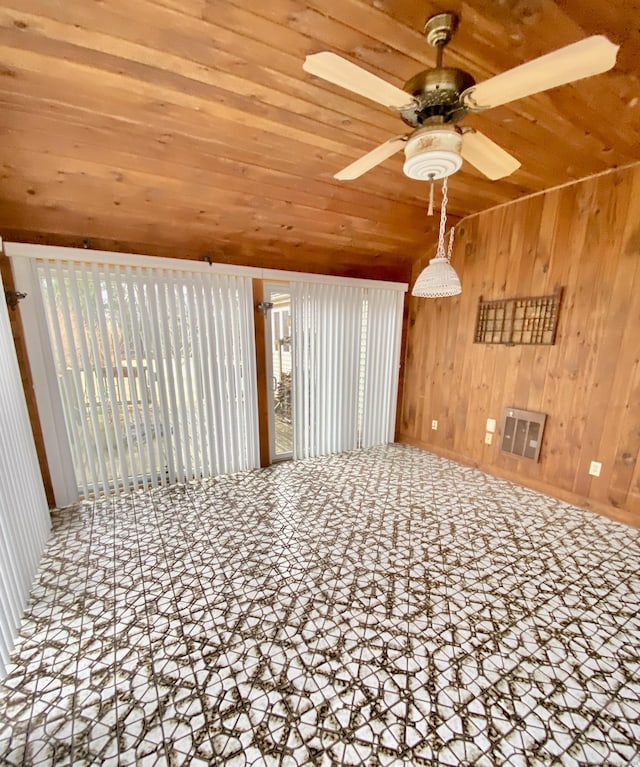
[(433, 102)]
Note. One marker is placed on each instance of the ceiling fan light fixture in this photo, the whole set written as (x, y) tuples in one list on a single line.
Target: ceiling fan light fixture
[(432, 154)]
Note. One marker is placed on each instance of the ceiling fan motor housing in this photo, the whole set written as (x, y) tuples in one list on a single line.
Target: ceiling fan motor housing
[(433, 153), (436, 94)]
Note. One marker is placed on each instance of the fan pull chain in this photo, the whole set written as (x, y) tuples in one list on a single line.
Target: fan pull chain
[(443, 221), (430, 208)]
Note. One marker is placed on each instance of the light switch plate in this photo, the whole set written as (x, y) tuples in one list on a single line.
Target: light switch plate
[(488, 438), (491, 425), (434, 425), (595, 468)]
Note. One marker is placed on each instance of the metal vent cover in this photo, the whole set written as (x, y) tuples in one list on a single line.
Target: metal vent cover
[(522, 432)]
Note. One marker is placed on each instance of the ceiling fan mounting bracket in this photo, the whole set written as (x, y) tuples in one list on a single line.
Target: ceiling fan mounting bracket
[(440, 28)]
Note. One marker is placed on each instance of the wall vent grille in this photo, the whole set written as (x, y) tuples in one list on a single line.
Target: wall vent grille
[(522, 432)]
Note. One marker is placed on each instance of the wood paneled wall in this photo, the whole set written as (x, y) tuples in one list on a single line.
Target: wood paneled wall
[(585, 238)]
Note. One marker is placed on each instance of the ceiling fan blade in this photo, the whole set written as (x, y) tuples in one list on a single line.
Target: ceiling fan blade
[(485, 155), (371, 159), (339, 71), (585, 58)]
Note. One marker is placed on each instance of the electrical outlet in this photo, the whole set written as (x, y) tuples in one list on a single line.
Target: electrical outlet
[(488, 438), (595, 468), (491, 425), (434, 425)]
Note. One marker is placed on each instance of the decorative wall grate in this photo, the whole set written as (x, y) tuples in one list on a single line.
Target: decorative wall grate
[(530, 320), (522, 432)]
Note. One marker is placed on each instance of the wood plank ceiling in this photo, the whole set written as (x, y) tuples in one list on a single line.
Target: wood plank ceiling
[(188, 127)]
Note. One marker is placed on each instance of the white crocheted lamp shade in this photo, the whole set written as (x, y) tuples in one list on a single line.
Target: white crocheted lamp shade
[(438, 280)]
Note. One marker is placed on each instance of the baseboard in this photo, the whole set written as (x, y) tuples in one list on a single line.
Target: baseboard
[(605, 510)]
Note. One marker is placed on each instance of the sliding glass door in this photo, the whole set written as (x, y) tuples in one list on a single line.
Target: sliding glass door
[(145, 369)]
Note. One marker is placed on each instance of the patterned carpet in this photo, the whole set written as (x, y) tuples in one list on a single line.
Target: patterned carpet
[(381, 607)]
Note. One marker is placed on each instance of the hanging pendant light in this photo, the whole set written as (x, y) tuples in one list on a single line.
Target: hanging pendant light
[(439, 278)]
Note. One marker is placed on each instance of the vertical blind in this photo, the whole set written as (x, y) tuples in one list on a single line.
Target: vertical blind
[(156, 371), (326, 325), (24, 517), (381, 365), (346, 348)]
